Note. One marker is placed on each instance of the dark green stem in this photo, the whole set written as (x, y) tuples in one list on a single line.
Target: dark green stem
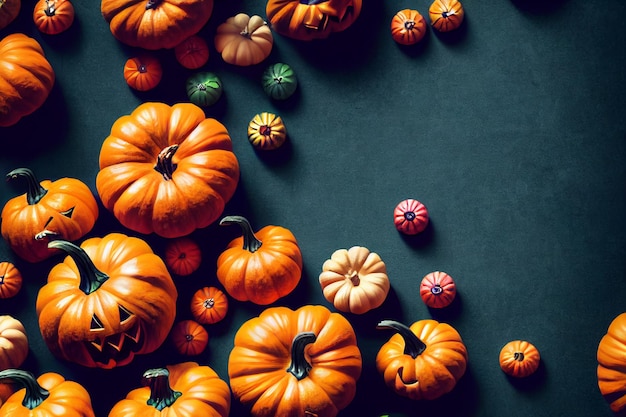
[(250, 241), (161, 394), (299, 366), (91, 278), (412, 344), (35, 191), (164, 164), (35, 393)]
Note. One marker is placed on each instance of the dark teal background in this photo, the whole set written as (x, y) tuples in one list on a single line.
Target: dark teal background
[(510, 130)]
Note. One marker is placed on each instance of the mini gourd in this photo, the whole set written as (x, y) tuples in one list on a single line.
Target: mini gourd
[(53, 16), (279, 81), (11, 280), (209, 305), (244, 40), (143, 72), (183, 256), (189, 337), (408, 27), (519, 358), (437, 289)]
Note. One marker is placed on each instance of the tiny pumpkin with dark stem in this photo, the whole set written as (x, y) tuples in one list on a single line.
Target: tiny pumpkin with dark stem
[(209, 305), (53, 16), (49, 395), (446, 15), (408, 27), (10, 280), (183, 256), (437, 289), (267, 131), (279, 81), (143, 72), (519, 358), (192, 53), (189, 337), (410, 217), (204, 88)]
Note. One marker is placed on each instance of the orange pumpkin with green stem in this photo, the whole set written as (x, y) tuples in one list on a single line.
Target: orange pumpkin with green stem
[(61, 209), (110, 299), (259, 267), (182, 389), (49, 395)]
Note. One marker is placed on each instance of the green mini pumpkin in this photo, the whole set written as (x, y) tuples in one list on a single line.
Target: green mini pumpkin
[(204, 89), (279, 81)]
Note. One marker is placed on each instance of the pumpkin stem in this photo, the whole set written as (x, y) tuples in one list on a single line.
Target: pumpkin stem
[(35, 393), (164, 164), (35, 191), (161, 394), (91, 278), (152, 4), (250, 241), (518, 356), (436, 289), (299, 366), (50, 9), (355, 279), (412, 344)]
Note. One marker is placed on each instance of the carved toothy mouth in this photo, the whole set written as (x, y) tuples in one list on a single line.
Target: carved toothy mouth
[(117, 348)]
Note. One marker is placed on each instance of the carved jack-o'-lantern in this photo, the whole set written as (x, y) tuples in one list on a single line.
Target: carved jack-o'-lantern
[(110, 299)]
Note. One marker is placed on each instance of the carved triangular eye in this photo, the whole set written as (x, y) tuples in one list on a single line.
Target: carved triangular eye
[(96, 324), (67, 213), (124, 314)]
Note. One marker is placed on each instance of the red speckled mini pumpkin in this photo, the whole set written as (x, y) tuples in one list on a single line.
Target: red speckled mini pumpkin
[(437, 289), (408, 27), (143, 72), (519, 358), (189, 337), (611, 370), (10, 280), (183, 256), (192, 53), (53, 16), (446, 15), (410, 217), (209, 305)]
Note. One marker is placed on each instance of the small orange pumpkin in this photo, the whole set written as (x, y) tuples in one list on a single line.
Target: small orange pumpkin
[(611, 370), (53, 16), (189, 337), (13, 342), (408, 27), (244, 40), (437, 289), (209, 305), (261, 267), (423, 361), (446, 15), (183, 256), (9, 10), (192, 53), (143, 72), (355, 280), (10, 280), (519, 358), (267, 131)]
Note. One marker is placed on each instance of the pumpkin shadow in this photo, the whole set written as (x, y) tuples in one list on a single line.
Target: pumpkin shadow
[(450, 313), (455, 36), (418, 49), (531, 383), (420, 240), (276, 157)]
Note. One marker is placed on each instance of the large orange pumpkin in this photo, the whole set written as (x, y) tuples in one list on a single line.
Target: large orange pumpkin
[(26, 77), (155, 24), (61, 209), (288, 363), (423, 361), (611, 369), (167, 170), (49, 395), (110, 299), (183, 389), (311, 19), (261, 267)]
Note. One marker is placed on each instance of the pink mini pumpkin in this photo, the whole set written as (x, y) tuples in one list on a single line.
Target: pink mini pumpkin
[(410, 217), (437, 289)]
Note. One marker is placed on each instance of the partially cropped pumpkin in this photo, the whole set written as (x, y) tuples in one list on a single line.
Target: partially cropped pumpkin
[(519, 358), (53, 16), (204, 88), (279, 81), (354, 280), (167, 170), (267, 131), (192, 53), (311, 19), (9, 10), (410, 216), (49, 395), (61, 209), (446, 15), (423, 361), (259, 267), (155, 24), (27, 76), (209, 305), (408, 27), (437, 289), (189, 337), (303, 362), (10, 280), (244, 40), (13, 342), (183, 256), (611, 370), (110, 299), (182, 389), (143, 72)]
